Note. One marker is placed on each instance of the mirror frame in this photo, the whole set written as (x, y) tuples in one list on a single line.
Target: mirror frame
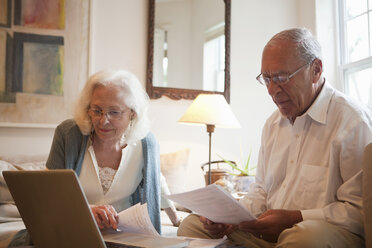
[(178, 93)]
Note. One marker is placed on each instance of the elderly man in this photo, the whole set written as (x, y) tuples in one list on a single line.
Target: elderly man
[(309, 176)]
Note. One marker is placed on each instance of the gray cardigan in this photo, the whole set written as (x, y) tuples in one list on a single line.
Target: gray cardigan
[(68, 150)]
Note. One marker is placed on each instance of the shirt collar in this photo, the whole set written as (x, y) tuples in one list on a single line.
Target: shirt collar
[(319, 109)]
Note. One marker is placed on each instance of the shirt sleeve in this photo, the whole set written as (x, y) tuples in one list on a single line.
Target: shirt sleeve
[(164, 202), (56, 158), (255, 199), (346, 210)]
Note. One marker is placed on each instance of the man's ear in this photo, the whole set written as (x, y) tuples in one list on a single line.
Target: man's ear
[(317, 70)]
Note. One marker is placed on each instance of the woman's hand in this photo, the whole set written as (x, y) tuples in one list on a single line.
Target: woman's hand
[(105, 216), (217, 230)]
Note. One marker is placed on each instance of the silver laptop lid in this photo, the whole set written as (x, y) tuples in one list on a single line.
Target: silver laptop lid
[(54, 208)]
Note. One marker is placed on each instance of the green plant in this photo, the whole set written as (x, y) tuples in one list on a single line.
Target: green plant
[(244, 168)]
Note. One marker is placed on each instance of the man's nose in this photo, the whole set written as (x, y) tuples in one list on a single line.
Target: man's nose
[(273, 88)]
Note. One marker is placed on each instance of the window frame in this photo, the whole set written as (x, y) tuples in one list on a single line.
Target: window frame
[(346, 67)]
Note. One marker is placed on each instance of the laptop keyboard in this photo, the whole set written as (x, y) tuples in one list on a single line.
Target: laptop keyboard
[(116, 245)]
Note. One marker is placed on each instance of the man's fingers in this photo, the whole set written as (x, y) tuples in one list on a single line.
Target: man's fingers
[(256, 224), (231, 228), (204, 220)]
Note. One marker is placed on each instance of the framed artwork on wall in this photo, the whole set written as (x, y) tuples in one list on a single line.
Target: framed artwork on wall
[(49, 62), (3, 44), (40, 13), (6, 66), (38, 64), (5, 13)]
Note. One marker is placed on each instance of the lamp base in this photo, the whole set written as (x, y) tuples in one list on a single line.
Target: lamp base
[(210, 130)]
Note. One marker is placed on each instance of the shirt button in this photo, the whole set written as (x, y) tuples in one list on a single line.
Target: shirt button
[(291, 162), (297, 136)]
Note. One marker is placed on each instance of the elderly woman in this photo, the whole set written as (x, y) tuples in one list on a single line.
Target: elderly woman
[(109, 146)]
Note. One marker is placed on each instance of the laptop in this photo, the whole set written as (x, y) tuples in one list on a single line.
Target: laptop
[(56, 213)]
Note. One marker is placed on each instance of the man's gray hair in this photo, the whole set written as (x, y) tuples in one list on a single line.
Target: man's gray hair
[(134, 97), (307, 47)]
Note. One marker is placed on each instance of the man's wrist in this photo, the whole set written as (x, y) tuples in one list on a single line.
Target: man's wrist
[(295, 216)]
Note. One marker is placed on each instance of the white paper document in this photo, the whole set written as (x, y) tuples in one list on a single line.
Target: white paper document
[(213, 203), (145, 240), (203, 243), (136, 219), (136, 229)]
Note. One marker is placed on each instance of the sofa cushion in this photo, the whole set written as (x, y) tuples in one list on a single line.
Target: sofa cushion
[(8, 210), (5, 196), (174, 167), (8, 230), (26, 162)]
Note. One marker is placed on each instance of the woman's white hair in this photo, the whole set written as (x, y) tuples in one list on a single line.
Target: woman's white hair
[(307, 47), (134, 97)]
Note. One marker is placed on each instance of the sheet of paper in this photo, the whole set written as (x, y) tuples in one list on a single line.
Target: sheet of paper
[(144, 240), (203, 243), (136, 219), (214, 203)]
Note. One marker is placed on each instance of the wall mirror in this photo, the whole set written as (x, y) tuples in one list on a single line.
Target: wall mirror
[(188, 48)]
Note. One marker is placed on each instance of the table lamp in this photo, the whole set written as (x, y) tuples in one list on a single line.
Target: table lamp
[(211, 110)]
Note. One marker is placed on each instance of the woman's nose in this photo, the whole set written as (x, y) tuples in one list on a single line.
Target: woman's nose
[(104, 118)]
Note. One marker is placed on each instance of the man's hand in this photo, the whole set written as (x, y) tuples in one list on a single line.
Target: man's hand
[(271, 223), (217, 230), (105, 216)]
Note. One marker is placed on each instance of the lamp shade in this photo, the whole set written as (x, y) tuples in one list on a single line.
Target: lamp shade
[(210, 109)]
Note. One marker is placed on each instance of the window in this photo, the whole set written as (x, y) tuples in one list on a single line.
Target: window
[(160, 71), (214, 59), (356, 48)]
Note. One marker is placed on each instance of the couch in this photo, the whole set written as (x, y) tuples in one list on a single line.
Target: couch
[(174, 166), (10, 220)]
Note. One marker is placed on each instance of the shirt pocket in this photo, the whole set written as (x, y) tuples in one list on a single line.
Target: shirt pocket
[(312, 186)]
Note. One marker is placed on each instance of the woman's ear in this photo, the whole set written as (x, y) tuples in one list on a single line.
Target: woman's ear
[(132, 115)]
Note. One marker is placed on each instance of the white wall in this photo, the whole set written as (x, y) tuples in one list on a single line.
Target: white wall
[(326, 31), (28, 141), (119, 36)]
